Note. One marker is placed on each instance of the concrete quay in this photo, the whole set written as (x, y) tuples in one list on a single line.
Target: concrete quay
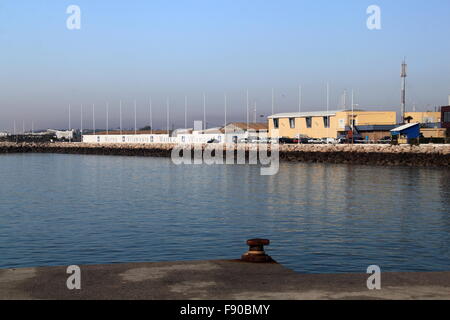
[(214, 280), (385, 155)]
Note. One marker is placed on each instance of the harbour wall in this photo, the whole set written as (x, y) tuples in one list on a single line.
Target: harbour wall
[(386, 155)]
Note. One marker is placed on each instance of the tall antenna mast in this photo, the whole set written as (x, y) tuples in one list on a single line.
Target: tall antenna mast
[(403, 95)]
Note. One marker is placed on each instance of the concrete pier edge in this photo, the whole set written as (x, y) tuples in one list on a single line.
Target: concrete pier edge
[(214, 280)]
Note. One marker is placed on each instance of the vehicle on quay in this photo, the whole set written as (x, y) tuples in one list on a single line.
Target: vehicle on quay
[(288, 141), (252, 140), (315, 141), (329, 141)]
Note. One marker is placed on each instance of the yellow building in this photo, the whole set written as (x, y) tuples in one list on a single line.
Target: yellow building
[(424, 117), (323, 124)]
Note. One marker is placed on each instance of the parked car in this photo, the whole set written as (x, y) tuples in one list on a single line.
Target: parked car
[(329, 141), (315, 141), (287, 141)]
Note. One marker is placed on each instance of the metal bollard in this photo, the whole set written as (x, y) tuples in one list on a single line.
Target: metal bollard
[(256, 252)]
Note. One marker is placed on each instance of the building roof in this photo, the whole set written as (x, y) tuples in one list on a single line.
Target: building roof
[(210, 131), (305, 114), (251, 125), (373, 127), (405, 126)]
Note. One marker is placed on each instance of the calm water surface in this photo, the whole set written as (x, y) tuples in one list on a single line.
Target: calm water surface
[(77, 209)]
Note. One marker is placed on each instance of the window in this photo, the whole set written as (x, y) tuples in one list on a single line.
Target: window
[(326, 122), (447, 116), (308, 122), (292, 123), (276, 123)]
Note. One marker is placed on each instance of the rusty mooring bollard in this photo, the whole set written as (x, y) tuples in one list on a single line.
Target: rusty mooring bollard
[(256, 252)]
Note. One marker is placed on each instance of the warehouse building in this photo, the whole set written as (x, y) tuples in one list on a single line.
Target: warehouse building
[(331, 124)]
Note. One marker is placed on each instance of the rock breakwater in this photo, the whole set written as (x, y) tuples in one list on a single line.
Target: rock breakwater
[(386, 155)]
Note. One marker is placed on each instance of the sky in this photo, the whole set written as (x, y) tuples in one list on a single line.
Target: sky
[(137, 49)]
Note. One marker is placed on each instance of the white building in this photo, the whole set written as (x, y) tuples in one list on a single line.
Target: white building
[(127, 138), (232, 133), (60, 135)]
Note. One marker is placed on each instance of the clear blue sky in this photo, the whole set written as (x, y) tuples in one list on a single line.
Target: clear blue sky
[(135, 49)]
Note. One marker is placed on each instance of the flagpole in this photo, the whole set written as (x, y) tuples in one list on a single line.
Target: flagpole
[(151, 117), (70, 124), (107, 118), (168, 115), (273, 101), (81, 128), (135, 118), (247, 111), (353, 116), (204, 111), (93, 118), (328, 108), (185, 111), (299, 110), (225, 106), (120, 116)]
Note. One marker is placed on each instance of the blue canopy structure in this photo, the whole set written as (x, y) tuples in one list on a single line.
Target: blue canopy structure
[(410, 130)]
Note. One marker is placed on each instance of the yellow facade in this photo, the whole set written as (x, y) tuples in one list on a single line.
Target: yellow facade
[(433, 133), (424, 117), (339, 121)]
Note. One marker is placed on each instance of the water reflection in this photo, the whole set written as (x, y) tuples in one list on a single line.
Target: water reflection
[(320, 218)]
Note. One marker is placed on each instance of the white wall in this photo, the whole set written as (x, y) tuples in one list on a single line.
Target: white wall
[(164, 138), (140, 138)]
